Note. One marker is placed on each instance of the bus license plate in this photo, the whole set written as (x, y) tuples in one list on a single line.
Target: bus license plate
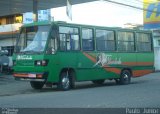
[(32, 75)]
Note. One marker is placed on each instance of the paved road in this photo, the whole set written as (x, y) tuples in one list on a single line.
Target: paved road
[(142, 92)]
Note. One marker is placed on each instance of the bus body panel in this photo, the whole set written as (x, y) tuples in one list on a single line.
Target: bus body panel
[(87, 65)]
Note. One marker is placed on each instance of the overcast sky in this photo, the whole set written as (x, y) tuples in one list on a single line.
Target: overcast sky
[(102, 13)]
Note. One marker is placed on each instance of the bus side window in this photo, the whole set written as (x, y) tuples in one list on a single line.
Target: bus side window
[(69, 42), (126, 41), (52, 44), (75, 42), (62, 42), (69, 38), (105, 40), (87, 39), (143, 41)]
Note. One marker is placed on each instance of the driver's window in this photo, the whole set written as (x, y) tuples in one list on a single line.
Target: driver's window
[(21, 41), (52, 46)]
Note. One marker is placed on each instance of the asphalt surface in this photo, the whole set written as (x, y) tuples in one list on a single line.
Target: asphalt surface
[(142, 92)]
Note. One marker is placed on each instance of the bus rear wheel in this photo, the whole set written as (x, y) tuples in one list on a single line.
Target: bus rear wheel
[(98, 82), (36, 85), (125, 77), (64, 82)]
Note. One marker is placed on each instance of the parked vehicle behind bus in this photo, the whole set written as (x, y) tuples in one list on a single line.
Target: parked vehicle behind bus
[(5, 63), (63, 53)]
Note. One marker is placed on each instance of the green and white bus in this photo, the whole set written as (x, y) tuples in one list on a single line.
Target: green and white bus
[(63, 53)]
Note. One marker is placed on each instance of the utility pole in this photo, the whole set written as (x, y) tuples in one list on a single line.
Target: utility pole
[(35, 10)]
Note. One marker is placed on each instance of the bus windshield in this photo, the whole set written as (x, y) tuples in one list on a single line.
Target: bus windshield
[(32, 39)]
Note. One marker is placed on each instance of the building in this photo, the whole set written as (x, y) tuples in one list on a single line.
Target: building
[(10, 26), (156, 34), (151, 17), (9, 29)]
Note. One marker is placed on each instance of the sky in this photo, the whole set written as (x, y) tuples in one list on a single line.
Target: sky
[(102, 13)]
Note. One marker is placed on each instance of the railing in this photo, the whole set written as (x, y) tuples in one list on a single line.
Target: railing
[(10, 28)]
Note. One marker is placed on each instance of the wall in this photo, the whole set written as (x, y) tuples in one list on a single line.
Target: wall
[(7, 42), (151, 14), (10, 27)]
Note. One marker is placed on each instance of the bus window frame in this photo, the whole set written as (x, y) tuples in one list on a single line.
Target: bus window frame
[(71, 26), (93, 38), (123, 51), (114, 35), (151, 42)]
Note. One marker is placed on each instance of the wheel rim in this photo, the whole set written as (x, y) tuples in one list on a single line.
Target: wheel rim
[(126, 77), (65, 82)]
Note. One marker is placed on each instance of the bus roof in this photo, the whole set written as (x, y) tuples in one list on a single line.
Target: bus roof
[(100, 27), (37, 24), (81, 25)]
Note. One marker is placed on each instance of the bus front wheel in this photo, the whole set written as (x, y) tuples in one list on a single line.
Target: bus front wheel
[(64, 82), (37, 85)]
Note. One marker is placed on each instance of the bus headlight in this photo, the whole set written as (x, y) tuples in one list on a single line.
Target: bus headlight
[(38, 63), (41, 63)]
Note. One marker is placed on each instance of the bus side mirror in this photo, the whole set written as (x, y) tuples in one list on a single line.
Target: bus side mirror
[(51, 50)]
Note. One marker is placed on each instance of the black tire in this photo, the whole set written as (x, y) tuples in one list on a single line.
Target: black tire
[(64, 82), (117, 81), (37, 85), (98, 82), (72, 78), (125, 77)]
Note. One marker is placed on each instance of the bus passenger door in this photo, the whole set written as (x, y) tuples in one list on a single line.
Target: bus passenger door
[(69, 47), (52, 57)]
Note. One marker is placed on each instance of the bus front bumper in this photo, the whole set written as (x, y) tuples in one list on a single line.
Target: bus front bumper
[(31, 76)]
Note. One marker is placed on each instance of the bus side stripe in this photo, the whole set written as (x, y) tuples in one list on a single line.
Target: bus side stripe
[(138, 63), (90, 57), (115, 70), (137, 73)]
